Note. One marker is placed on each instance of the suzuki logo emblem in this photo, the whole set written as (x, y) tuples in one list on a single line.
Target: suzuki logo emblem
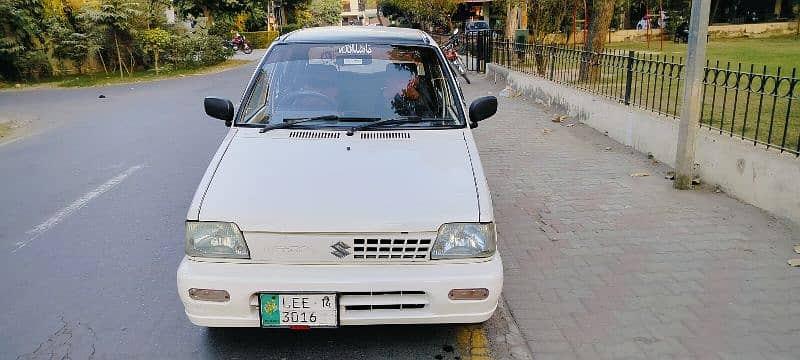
[(340, 249)]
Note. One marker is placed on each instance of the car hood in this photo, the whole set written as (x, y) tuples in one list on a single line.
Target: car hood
[(325, 181)]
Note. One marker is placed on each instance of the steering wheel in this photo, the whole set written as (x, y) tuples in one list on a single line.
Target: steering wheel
[(293, 97)]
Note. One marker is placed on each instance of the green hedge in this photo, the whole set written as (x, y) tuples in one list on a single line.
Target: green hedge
[(260, 39), (285, 29)]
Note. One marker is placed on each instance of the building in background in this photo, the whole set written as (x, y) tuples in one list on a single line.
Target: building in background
[(360, 12)]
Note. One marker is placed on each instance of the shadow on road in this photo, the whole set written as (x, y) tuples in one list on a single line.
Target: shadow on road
[(378, 342)]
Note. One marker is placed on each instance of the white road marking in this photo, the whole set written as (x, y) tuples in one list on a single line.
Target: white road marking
[(75, 205)]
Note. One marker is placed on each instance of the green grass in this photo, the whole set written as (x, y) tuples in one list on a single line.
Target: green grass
[(740, 110), (783, 51), (102, 79)]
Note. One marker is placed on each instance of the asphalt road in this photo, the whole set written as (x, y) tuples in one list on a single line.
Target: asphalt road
[(91, 232)]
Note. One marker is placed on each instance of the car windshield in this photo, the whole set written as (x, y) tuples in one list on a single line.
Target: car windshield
[(352, 83)]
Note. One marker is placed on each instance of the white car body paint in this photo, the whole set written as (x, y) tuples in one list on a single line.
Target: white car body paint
[(293, 197)]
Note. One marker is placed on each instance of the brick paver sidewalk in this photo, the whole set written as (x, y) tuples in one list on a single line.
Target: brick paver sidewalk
[(600, 264)]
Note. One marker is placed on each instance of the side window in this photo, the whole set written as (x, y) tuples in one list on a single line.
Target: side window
[(254, 106), (258, 97)]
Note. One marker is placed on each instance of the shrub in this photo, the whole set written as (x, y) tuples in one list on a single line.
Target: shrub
[(285, 29), (155, 41), (198, 49), (34, 64), (260, 39)]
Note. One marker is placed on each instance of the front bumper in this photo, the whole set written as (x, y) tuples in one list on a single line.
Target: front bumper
[(426, 286)]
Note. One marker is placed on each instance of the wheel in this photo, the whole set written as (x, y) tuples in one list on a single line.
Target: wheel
[(459, 69), (247, 49), (235, 48), (464, 75)]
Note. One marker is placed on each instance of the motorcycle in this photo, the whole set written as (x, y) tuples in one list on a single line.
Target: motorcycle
[(451, 54), (239, 43)]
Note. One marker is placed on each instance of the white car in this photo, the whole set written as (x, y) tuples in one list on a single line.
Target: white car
[(348, 191)]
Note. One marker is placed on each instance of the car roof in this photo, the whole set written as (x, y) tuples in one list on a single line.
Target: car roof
[(363, 34)]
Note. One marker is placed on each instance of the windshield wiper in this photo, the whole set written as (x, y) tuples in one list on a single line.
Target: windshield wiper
[(394, 121), (289, 122)]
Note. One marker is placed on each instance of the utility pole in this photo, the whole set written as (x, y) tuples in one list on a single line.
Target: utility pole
[(692, 97)]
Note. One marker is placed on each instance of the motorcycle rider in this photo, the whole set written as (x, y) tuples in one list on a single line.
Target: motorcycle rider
[(238, 39)]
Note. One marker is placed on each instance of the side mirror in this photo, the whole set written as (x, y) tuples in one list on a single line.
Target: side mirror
[(482, 108), (219, 108)]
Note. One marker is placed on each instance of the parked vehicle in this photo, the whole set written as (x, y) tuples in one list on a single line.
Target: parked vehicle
[(476, 27), (238, 42), (348, 191), (451, 54)]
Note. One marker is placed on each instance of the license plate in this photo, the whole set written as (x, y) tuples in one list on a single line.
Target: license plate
[(304, 309)]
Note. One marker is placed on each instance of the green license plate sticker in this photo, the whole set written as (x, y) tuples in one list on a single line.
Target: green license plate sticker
[(270, 310), (298, 309)]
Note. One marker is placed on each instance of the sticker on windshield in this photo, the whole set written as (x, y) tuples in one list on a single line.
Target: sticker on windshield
[(355, 49), (353, 61)]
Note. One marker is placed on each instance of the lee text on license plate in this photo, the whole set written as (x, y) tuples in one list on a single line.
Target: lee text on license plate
[(313, 310)]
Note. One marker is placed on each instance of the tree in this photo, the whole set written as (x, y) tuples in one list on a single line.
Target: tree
[(77, 44), (155, 41), (116, 18), (324, 12), (20, 38), (600, 15), (211, 8), (545, 17), (423, 12)]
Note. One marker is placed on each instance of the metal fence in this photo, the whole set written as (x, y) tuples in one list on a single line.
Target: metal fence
[(745, 101)]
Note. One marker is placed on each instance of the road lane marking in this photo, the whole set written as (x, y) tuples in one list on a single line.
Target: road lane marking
[(473, 342), (76, 205)]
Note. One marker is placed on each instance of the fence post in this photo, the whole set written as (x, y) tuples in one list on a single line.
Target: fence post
[(552, 62), (508, 59), (629, 77)]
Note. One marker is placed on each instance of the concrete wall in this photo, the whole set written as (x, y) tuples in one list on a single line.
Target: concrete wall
[(753, 174), (715, 32)]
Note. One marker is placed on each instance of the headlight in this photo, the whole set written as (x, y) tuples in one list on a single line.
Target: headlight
[(464, 240), (215, 239)]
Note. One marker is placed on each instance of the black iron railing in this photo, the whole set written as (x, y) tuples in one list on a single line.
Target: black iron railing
[(740, 100)]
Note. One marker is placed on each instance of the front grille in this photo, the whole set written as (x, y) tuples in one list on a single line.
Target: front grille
[(383, 300), (391, 249)]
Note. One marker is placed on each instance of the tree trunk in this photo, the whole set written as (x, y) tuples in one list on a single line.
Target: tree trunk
[(208, 16), (102, 61), (155, 57), (778, 8), (602, 11), (714, 12), (119, 57)]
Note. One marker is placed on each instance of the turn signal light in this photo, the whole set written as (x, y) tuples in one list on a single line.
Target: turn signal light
[(209, 295), (468, 294)]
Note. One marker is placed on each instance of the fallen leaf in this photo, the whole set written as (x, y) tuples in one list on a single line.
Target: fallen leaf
[(654, 162), (696, 181), (797, 249), (670, 175), (570, 125), (559, 118), (794, 262), (546, 131), (640, 174), (608, 148)]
